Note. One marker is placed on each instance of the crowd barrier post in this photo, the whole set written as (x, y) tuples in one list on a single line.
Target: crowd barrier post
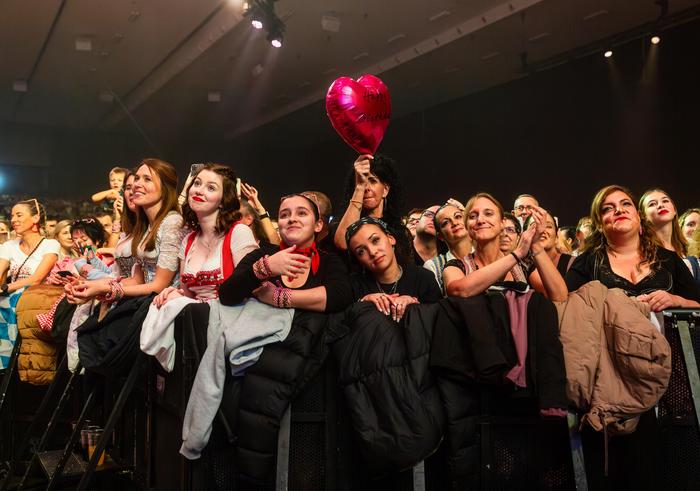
[(9, 372), (283, 442), (684, 320), (75, 435), (577, 460), (114, 416)]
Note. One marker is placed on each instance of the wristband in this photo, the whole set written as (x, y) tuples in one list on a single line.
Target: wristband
[(263, 216), (517, 259)]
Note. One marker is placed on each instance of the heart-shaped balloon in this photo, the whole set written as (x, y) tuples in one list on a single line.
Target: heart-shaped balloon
[(359, 111)]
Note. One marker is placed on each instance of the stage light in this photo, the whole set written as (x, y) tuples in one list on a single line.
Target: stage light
[(655, 40), (262, 15), (608, 54)]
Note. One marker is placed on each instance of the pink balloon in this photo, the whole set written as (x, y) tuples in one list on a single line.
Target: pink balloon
[(359, 111)]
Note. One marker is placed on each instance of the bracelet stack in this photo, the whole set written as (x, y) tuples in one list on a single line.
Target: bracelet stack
[(282, 297), (261, 268), (116, 292)]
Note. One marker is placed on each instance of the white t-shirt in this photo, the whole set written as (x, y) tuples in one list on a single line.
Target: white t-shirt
[(11, 252)]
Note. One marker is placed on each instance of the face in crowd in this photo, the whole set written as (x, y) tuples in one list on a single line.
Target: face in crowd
[(509, 236), (373, 248), (116, 180), (619, 215), (450, 221), (375, 192), (49, 227), (65, 238), (298, 221), (690, 224), (129, 192), (426, 224), (523, 206), (412, 222), (24, 219), (484, 220), (146, 188), (206, 193), (548, 238), (659, 208)]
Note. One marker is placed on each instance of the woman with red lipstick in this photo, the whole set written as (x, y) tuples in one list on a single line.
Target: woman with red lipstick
[(218, 241), (295, 274), (390, 284), (488, 265), (624, 252), (657, 207)]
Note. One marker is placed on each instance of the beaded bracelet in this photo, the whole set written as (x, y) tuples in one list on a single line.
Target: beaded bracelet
[(261, 268)]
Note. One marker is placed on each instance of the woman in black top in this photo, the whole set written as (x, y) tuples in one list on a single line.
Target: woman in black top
[(623, 252), (386, 283), (295, 274)]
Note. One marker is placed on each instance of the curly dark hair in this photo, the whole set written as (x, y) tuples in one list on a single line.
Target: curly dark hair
[(230, 204), (384, 168), (91, 227)]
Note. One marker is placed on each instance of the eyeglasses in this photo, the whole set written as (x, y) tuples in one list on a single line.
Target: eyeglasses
[(429, 213), (510, 230), (522, 208), (413, 221)]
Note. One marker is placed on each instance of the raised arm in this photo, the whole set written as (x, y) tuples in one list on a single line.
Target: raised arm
[(354, 209)]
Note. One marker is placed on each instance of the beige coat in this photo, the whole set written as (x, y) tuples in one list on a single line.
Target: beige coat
[(617, 363)]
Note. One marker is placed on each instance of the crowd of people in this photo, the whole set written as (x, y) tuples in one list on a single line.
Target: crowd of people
[(213, 240)]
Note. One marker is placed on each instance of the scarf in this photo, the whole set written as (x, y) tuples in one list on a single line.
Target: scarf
[(310, 251)]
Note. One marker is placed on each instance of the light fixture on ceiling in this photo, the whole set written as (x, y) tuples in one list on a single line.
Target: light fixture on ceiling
[(20, 85), (257, 70), (275, 39), (262, 14), (83, 44), (608, 54), (655, 40), (330, 22)]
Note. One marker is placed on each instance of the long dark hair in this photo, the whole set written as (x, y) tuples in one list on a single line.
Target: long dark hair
[(229, 212), (128, 217), (385, 169), (168, 196), (596, 241)]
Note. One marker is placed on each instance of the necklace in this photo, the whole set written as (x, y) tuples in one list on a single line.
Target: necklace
[(392, 290)]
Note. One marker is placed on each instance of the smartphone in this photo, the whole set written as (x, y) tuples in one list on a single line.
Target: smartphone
[(64, 274)]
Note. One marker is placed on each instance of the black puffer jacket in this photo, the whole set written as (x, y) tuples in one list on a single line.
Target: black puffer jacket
[(392, 398), (254, 404)]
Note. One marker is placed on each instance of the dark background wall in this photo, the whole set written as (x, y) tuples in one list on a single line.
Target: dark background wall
[(559, 134)]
